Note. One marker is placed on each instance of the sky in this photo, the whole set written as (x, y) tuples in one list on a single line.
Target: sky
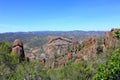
[(59, 15)]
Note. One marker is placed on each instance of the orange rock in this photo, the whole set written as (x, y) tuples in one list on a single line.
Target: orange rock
[(17, 42), (18, 49), (109, 39), (69, 56)]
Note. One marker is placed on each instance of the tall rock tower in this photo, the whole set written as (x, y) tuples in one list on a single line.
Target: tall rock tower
[(18, 49)]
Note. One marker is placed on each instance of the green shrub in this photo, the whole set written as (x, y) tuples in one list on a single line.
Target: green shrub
[(110, 70), (79, 71)]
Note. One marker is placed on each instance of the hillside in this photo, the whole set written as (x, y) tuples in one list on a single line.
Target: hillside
[(33, 41), (62, 58)]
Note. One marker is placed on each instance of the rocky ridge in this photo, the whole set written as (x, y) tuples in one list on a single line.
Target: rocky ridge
[(60, 50)]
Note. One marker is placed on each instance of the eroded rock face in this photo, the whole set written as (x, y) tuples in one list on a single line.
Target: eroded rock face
[(60, 47), (88, 50), (56, 44), (18, 49), (67, 49), (109, 39)]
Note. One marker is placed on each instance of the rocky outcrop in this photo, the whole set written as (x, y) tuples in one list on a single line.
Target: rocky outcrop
[(60, 38), (60, 51), (88, 49), (64, 49), (18, 49), (64, 60), (60, 47), (109, 39)]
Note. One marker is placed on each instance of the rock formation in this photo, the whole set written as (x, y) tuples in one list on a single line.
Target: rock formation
[(88, 49), (61, 50), (109, 39), (60, 47), (18, 49)]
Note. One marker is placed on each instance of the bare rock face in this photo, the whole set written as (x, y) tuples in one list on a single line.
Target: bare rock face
[(60, 47), (56, 44), (109, 39), (88, 50), (18, 49), (66, 48), (62, 50), (64, 60)]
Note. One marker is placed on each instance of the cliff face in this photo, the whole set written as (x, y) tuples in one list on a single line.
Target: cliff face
[(109, 39), (61, 50), (88, 49), (60, 45)]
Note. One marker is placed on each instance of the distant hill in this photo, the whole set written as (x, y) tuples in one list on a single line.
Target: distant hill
[(79, 35)]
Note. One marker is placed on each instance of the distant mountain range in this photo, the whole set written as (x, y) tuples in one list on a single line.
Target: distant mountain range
[(10, 36), (55, 33)]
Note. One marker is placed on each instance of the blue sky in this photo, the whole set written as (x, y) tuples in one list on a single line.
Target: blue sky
[(60, 15)]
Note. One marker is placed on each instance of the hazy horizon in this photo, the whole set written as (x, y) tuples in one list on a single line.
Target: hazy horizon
[(59, 15), (54, 31)]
